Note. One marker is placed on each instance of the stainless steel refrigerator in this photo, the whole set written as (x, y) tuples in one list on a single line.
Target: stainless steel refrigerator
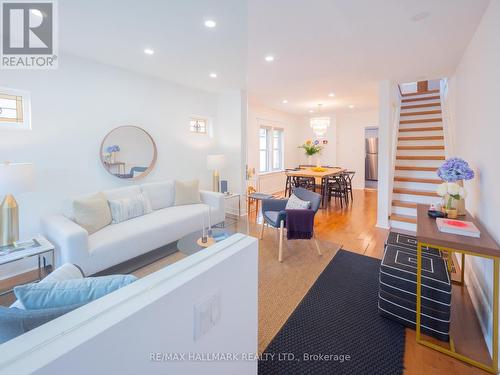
[(371, 159)]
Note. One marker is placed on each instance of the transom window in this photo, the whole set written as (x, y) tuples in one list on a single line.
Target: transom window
[(198, 125), (14, 108), (270, 149)]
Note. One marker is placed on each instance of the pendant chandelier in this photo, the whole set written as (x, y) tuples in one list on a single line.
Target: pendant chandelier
[(320, 125)]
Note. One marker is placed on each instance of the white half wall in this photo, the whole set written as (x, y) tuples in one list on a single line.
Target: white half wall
[(477, 132), (146, 327), (350, 142)]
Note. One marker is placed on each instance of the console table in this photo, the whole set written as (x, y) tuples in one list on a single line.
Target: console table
[(485, 247)]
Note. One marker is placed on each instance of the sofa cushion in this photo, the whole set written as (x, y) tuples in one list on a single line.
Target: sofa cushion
[(37, 296), (187, 192), (128, 208), (92, 213), (160, 194), (122, 193), (14, 322)]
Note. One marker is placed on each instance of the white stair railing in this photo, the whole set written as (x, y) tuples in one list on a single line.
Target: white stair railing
[(448, 123)]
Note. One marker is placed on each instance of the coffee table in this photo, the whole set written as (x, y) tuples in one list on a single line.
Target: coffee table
[(188, 244)]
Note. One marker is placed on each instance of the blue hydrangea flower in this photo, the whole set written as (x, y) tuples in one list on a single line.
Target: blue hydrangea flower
[(455, 169)]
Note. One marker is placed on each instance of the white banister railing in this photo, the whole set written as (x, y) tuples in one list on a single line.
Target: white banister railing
[(448, 123), (396, 111)]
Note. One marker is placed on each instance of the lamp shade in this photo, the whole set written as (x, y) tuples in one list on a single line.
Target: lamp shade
[(16, 178), (216, 162)]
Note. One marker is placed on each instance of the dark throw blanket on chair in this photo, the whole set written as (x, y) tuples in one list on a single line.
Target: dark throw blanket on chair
[(299, 224)]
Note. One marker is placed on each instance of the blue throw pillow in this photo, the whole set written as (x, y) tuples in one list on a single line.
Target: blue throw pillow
[(69, 292)]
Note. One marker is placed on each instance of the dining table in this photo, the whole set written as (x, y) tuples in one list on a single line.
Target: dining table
[(318, 175)]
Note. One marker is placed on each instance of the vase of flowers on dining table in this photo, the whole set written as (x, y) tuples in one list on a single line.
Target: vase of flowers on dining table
[(311, 148)]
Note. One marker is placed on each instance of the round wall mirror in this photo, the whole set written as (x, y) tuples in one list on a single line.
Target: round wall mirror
[(128, 152)]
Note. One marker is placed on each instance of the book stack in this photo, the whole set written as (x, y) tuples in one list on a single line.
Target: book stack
[(460, 227)]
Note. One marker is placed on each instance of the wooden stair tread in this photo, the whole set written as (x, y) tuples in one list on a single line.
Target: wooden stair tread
[(423, 138), (434, 112), (421, 93), (420, 147), (415, 168), (406, 204), (420, 157), (421, 121), (412, 106), (404, 218), (426, 193), (420, 180), (426, 129), (420, 99)]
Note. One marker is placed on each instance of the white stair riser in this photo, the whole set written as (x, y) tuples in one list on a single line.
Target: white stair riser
[(417, 102), (419, 109), (420, 163), (419, 95), (415, 185), (403, 225), (421, 117), (438, 142), (425, 133), (420, 152), (416, 198), (416, 174), (404, 211), (421, 125)]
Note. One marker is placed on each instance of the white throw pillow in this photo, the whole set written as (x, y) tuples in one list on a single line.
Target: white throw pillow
[(295, 203), (187, 192), (160, 194), (128, 208), (92, 213)]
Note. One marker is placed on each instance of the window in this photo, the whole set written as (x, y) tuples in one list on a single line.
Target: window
[(14, 109), (198, 125), (270, 149)]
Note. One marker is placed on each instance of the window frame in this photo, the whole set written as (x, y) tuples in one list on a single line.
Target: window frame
[(199, 118), (23, 115), (270, 149)]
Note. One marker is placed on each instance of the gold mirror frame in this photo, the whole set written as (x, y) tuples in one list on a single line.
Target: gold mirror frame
[(151, 165)]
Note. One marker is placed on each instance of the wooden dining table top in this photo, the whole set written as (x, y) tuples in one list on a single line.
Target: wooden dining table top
[(308, 172)]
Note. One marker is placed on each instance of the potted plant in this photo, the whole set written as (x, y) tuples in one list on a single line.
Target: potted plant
[(456, 170), (311, 148), (451, 191)]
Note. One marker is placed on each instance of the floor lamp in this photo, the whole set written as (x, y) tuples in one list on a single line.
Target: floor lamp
[(215, 163)]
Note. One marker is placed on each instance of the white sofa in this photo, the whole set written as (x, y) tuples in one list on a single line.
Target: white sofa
[(117, 243)]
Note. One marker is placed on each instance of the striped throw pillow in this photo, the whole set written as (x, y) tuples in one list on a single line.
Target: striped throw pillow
[(128, 208)]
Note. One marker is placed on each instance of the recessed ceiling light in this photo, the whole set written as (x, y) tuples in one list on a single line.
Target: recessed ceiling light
[(351, 106), (285, 101), (149, 51), (210, 24), (331, 95), (269, 58), (420, 16), (213, 75)]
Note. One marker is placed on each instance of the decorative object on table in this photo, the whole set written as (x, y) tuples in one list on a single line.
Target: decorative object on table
[(456, 170), (223, 186), (319, 169), (215, 163), (460, 227), (435, 213), (325, 142), (137, 152), (311, 148), (14, 178), (451, 193)]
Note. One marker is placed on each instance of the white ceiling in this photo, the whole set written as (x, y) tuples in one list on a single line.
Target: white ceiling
[(347, 46), (117, 32), (320, 46)]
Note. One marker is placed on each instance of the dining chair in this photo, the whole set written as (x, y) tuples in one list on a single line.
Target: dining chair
[(337, 188), (349, 175), (274, 215)]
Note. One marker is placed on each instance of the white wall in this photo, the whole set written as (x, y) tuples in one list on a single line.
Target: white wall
[(75, 106), (350, 142), (477, 133), (118, 333), (293, 126)]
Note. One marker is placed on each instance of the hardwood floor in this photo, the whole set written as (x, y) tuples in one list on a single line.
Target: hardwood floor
[(353, 227)]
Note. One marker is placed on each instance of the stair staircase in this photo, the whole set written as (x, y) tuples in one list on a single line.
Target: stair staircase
[(420, 151)]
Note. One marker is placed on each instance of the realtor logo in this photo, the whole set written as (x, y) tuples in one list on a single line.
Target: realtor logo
[(28, 35)]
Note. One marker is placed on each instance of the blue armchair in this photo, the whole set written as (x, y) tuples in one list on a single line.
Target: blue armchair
[(274, 214)]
